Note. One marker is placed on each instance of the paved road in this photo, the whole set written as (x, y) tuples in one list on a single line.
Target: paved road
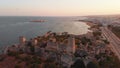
[(113, 39)]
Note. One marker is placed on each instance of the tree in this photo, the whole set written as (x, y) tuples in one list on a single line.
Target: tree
[(106, 41), (97, 33), (32, 48), (78, 64), (84, 40), (92, 65), (17, 66)]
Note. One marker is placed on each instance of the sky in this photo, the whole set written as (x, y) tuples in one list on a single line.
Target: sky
[(58, 7)]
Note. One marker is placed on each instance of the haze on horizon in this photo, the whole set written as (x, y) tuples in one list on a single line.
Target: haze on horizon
[(58, 7)]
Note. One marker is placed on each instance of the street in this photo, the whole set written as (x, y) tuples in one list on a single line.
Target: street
[(113, 39)]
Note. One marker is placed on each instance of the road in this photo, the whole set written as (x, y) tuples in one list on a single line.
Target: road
[(113, 39)]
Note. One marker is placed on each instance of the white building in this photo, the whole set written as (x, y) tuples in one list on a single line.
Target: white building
[(34, 42), (22, 40)]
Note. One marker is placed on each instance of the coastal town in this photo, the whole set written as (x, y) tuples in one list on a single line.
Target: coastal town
[(59, 33), (62, 50)]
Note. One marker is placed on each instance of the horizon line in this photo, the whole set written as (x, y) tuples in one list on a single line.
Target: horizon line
[(57, 16)]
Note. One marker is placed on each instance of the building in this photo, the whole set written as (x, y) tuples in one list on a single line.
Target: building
[(62, 47), (52, 46), (71, 45), (67, 60), (34, 42), (22, 40)]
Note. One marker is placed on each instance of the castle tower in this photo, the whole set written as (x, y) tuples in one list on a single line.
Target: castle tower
[(71, 45), (22, 40)]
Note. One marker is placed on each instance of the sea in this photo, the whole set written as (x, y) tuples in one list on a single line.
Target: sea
[(11, 27)]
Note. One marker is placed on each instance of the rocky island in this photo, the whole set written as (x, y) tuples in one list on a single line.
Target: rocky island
[(38, 21)]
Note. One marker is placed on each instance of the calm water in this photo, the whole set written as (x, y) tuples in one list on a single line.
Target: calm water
[(13, 27)]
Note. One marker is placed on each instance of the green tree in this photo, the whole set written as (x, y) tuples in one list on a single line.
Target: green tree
[(92, 65), (78, 64)]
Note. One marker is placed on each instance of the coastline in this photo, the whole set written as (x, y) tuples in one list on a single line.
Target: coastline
[(58, 25), (89, 24), (63, 44)]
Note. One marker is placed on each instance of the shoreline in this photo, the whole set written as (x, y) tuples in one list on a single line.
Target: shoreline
[(60, 45), (89, 24)]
